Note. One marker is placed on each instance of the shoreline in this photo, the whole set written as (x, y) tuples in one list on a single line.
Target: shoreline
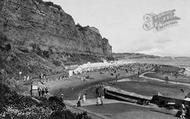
[(161, 80)]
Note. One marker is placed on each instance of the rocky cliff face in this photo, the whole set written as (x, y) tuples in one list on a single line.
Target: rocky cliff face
[(34, 25)]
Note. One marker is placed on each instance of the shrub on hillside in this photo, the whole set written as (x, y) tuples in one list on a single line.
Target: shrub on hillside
[(66, 114), (14, 106), (32, 112), (53, 5), (56, 63), (4, 45), (39, 1)]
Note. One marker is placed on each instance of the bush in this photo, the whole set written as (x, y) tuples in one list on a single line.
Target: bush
[(66, 114), (39, 1), (57, 6), (53, 5), (4, 45), (46, 54), (48, 3), (83, 116), (56, 63), (56, 103), (5, 97), (14, 106)]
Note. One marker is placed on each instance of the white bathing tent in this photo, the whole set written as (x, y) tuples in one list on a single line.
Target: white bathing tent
[(99, 65)]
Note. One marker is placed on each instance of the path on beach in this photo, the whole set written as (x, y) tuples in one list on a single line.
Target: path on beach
[(161, 80), (113, 109)]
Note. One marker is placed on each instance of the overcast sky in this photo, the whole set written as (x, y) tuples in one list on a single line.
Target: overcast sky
[(121, 22)]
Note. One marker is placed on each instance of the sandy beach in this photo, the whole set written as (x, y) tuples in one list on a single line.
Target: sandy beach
[(74, 84)]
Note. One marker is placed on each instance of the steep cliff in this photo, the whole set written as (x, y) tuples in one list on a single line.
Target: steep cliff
[(39, 37), (36, 25)]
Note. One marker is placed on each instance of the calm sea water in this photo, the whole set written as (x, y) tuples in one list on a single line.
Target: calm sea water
[(181, 62)]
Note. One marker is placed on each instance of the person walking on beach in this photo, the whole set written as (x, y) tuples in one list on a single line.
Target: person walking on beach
[(102, 93), (183, 111), (116, 77), (43, 92), (99, 95), (62, 98), (79, 100), (46, 90), (84, 97), (39, 91)]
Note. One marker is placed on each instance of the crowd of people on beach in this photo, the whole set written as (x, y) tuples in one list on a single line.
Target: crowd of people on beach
[(131, 68), (42, 91), (99, 94), (81, 99), (91, 67), (184, 111), (135, 68)]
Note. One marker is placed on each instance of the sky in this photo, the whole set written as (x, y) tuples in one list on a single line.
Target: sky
[(121, 21)]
